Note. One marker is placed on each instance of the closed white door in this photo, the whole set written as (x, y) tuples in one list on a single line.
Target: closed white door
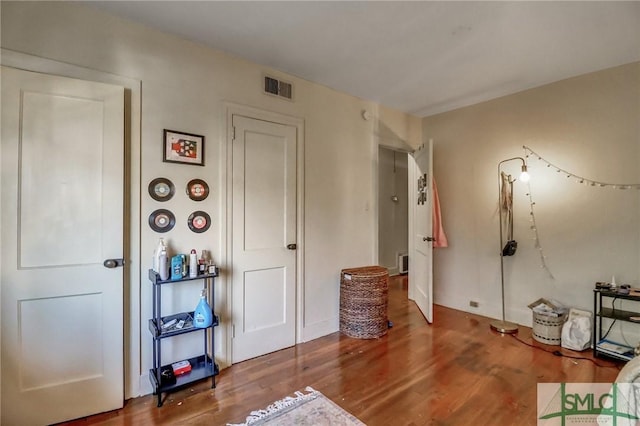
[(264, 237), (62, 216), (421, 229)]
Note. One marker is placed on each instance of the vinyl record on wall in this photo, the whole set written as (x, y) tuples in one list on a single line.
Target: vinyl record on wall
[(199, 221), (161, 189), (162, 220), (197, 189)]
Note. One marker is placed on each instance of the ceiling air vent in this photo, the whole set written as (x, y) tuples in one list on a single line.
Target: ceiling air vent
[(278, 88)]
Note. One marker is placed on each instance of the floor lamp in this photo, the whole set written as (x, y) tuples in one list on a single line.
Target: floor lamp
[(503, 326)]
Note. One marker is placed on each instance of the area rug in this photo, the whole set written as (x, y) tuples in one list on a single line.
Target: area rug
[(312, 408)]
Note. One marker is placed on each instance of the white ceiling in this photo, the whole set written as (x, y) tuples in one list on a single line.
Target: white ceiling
[(421, 57)]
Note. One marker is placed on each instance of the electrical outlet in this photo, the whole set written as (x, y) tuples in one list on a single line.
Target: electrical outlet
[(473, 304)]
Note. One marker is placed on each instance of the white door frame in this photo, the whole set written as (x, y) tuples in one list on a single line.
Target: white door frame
[(225, 294), (135, 380)]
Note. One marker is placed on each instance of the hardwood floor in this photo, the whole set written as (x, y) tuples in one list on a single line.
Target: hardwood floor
[(455, 371)]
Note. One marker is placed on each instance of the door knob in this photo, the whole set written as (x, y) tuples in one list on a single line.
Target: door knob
[(292, 246), (113, 263), (428, 239)]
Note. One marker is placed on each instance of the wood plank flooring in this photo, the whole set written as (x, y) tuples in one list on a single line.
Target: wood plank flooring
[(455, 371)]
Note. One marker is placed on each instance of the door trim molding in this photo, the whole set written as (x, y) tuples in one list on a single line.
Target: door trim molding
[(135, 380), (230, 109)]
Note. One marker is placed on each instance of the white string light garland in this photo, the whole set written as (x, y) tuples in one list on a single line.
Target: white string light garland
[(589, 182), (582, 180), (536, 237)]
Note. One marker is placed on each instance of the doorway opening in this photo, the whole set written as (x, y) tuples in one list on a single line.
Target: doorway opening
[(409, 231), (393, 213)]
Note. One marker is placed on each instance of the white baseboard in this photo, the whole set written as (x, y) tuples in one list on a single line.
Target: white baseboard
[(144, 385), (320, 329), (393, 271)]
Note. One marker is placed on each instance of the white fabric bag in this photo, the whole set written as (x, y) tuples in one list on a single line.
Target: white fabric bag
[(576, 333)]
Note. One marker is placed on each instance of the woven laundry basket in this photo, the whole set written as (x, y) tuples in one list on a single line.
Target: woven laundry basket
[(364, 297), (548, 329)]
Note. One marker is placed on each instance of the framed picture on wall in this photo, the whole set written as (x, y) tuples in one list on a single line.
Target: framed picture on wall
[(183, 148)]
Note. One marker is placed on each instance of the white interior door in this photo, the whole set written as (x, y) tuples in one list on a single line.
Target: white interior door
[(263, 237), (421, 229), (62, 216)]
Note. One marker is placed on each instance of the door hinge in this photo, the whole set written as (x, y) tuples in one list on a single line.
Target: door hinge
[(233, 133), (233, 331)]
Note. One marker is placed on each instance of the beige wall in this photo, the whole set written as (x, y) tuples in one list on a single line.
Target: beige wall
[(185, 86), (588, 125), (396, 130)]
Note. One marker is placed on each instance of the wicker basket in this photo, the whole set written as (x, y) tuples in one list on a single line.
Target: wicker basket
[(364, 295), (547, 329)]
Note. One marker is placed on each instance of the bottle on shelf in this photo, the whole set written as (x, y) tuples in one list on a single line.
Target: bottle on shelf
[(176, 267), (163, 264), (614, 286), (156, 254), (185, 265), (202, 315), (202, 262), (193, 264), (211, 266)]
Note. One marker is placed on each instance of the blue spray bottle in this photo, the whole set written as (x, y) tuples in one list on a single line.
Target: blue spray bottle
[(202, 316)]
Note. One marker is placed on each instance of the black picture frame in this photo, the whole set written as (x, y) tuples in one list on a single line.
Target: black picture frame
[(182, 148)]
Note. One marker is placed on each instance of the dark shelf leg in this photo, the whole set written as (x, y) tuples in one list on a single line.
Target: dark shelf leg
[(595, 320)]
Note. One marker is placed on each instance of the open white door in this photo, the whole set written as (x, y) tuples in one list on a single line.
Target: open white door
[(421, 229), (62, 217)]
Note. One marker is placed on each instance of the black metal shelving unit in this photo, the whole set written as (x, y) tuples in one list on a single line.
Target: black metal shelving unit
[(614, 314), (202, 366)]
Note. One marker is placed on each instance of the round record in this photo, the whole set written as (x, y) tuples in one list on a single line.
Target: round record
[(197, 189), (199, 221), (161, 189), (162, 220)]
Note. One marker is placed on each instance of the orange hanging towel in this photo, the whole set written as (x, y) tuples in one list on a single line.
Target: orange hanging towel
[(439, 237)]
